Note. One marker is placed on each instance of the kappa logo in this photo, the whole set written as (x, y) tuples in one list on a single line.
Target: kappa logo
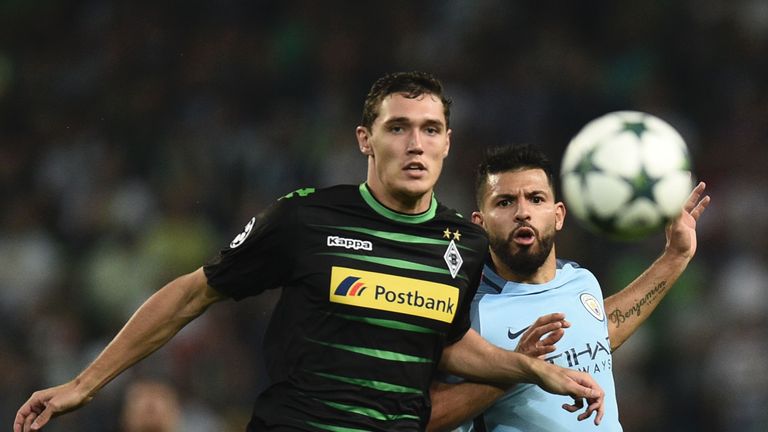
[(240, 238), (336, 241)]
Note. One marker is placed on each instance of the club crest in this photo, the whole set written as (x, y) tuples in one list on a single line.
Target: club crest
[(592, 305), (453, 259)]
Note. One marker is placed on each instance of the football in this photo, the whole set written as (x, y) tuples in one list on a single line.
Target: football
[(626, 174)]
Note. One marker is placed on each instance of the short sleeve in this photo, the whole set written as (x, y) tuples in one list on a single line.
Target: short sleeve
[(257, 259)]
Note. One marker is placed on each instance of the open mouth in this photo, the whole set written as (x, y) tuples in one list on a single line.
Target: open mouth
[(524, 236), (415, 166), (415, 170)]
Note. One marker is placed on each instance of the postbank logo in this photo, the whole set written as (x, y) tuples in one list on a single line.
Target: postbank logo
[(393, 293), (351, 286)]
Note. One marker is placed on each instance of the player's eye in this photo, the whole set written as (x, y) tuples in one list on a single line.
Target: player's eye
[(433, 130), (504, 203), (537, 200), (396, 129)]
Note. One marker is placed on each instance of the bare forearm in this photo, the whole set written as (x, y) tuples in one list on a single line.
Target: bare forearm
[(475, 359), (152, 325), (630, 307), (455, 404)]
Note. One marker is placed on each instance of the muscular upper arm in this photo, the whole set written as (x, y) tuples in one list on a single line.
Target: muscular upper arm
[(473, 357), (197, 294)]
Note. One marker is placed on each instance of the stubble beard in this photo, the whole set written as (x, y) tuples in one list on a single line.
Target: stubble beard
[(527, 260)]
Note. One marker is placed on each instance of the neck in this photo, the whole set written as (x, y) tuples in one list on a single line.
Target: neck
[(399, 201)]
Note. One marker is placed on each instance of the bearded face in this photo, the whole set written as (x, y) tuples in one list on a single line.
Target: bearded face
[(524, 260), (521, 217)]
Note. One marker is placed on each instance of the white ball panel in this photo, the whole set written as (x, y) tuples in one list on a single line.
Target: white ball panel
[(628, 116), (640, 216), (619, 155), (574, 196), (672, 191), (588, 138), (606, 194), (662, 154)]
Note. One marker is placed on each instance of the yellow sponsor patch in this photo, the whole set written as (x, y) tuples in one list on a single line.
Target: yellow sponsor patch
[(393, 293)]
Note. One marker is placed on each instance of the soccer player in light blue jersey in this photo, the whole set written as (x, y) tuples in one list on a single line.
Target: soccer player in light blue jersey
[(527, 292)]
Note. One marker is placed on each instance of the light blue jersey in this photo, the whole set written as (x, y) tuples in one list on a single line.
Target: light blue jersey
[(503, 310)]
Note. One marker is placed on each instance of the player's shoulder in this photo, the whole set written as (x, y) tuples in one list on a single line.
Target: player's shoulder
[(572, 270), (464, 232), (312, 196), (453, 216), (309, 194), (563, 263), (289, 206)]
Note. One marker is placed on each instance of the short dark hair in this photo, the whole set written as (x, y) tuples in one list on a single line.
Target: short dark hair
[(510, 158), (412, 84)]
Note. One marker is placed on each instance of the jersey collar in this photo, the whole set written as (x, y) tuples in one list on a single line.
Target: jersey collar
[(501, 285), (396, 216)]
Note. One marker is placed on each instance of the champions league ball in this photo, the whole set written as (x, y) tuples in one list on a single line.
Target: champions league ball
[(626, 174)]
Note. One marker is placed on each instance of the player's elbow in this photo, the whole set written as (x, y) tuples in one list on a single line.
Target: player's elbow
[(440, 420), (444, 415)]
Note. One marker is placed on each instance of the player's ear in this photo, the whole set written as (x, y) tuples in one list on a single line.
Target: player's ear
[(477, 218), (364, 140), (447, 144), (559, 215)]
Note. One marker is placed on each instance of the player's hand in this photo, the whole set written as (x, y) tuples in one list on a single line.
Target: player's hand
[(579, 385), (43, 405), (541, 337), (594, 404), (681, 232)]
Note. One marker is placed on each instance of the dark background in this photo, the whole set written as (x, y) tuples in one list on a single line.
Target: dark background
[(136, 138)]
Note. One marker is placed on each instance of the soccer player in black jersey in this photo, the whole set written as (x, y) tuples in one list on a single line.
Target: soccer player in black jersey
[(376, 282)]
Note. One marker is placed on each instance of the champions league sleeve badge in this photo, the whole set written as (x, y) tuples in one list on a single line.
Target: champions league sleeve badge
[(240, 238), (453, 259)]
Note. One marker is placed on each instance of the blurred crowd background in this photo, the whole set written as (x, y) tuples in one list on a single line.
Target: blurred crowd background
[(137, 138)]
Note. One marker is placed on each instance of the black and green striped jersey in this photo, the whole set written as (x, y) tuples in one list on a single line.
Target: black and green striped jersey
[(370, 298)]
